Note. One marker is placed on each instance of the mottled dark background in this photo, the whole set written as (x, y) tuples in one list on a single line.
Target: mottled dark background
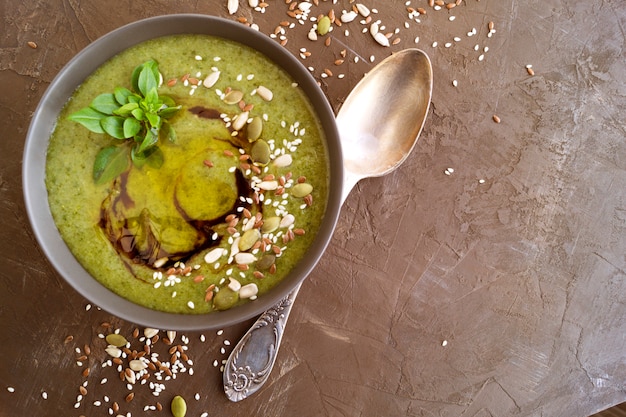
[(493, 288)]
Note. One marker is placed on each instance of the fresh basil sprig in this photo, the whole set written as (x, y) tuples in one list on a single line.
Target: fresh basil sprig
[(136, 117)]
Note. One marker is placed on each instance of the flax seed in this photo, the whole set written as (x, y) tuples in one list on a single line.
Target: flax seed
[(496, 118)]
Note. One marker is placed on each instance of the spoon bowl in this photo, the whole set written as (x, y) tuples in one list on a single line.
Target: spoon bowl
[(378, 124), (381, 119)]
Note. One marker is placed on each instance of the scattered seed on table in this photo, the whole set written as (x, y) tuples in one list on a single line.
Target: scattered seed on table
[(496, 118), (32, 44)]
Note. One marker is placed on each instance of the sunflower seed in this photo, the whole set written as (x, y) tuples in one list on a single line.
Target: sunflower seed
[(265, 93), (248, 290), (211, 79), (233, 6)]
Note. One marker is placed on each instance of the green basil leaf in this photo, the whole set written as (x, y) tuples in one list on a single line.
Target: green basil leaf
[(148, 77), (169, 132), (110, 162), (126, 110), (152, 102), (105, 103), (168, 101), (152, 157), (131, 127), (138, 114), (168, 112), (154, 120), (89, 118), (148, 142), (134, 78), (114, 126), (121, 95), (134, 99)]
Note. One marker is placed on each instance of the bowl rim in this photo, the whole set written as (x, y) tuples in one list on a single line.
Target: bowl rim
[(59, 92)]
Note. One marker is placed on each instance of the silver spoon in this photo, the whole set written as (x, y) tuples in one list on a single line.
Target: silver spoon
[(379, 124)]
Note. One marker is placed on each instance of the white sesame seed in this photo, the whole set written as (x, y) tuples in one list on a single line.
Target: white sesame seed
[(10, 389), (435, 44), (455, 83), (44, 395), (444, 343), (451, 18)]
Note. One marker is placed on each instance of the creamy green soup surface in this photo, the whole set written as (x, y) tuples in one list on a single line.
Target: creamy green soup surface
[(229, 212)]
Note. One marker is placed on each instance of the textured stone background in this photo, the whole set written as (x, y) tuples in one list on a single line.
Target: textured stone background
[(521, 275)]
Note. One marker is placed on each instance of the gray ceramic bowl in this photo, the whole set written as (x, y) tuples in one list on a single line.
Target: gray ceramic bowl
[(61, 89)]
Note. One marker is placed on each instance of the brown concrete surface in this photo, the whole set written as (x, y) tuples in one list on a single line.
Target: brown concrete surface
[(497, 289)]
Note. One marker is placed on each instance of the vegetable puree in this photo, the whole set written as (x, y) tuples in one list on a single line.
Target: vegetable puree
[(236, 201)]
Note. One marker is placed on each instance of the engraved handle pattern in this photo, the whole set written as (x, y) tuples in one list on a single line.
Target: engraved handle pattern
[(249, 364)]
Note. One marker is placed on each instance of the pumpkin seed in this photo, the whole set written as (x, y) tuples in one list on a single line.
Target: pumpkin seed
[(266, 261), (225, 299), (323, 26), (255, 127), (233, 97), (179, 406), (248, 239), (116, 340), (270, 224), (260, 152), (301, 190)]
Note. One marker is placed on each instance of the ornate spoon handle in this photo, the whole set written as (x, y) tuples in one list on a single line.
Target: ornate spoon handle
[(248, 367)]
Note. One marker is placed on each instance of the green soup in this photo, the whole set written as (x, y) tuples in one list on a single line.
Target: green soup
[(236, 202)]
